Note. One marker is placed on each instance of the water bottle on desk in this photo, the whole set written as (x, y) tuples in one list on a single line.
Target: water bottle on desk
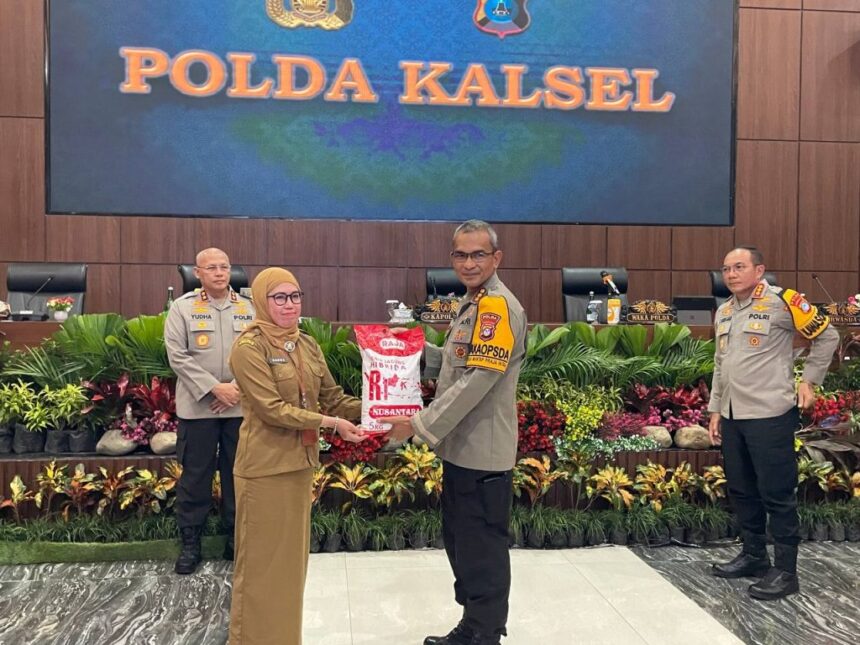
[(592, 312)]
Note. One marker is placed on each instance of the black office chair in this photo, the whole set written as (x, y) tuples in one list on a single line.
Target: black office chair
[(442, 282), (31, 284), (721, 292), (238, 278), (576, 283)]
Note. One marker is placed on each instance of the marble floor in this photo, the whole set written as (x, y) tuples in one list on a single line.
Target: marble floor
[(589, 596), (601, 595), (825, 612)]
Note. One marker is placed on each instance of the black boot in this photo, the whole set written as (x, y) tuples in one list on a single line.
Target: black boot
[(485, 639), (752, 560), (781, 580), (460, 635), (191, 554)]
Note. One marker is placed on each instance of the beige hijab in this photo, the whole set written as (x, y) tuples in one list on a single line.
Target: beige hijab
[(263, 284)]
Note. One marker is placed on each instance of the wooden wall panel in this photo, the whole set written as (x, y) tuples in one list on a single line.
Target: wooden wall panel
[(245, 241), (22, 192), (374, 244), (104, 288), (644, 285), (362, 292), (699, 247), (525, 284), (840, 284), (573, 246), (21, 58), (430, 244), (639, 247), (832, 5), (550, 294), (157, 240), (320, 285), (302, 243), (691, 283), (829, 211), (82, 238), (771, 4), (830, 101), (144, 287), (3, 291), (521, 245), (768, 74), (766, 200)]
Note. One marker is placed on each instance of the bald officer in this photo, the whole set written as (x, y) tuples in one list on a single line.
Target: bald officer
[(472, 424), (199, 333), (754, 413)]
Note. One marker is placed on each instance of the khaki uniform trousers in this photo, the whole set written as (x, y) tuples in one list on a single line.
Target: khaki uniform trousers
[(272, 546)]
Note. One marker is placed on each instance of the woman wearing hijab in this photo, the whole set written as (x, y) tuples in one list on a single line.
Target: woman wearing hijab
[(288, 394)]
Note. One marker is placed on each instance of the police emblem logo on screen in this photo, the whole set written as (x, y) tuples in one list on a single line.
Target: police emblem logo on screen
[(325, 14), (502, 17)]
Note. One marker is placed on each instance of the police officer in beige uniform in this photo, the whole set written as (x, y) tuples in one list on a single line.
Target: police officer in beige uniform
[(472, 425), (199, 333), (754, 413)]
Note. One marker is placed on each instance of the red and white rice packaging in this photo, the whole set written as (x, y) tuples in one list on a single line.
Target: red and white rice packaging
[(391, 373)]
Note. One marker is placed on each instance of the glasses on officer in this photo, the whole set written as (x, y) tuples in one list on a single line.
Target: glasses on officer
[(281, 298), (738, 267), (461, 257), (212, 268)]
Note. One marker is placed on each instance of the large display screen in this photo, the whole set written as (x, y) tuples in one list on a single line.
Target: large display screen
[(569, 111)]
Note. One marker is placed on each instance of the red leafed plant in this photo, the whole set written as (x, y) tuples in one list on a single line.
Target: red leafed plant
[(152, 410), (668, 406), (831, 409), (107, 401), (616, 425), (348, 452), (539, 422)]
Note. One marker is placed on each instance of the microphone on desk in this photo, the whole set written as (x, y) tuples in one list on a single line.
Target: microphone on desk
[(26, 313), (823, 288), (607, 280)]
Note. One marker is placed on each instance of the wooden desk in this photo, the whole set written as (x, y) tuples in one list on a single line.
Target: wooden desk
[(27, 333)]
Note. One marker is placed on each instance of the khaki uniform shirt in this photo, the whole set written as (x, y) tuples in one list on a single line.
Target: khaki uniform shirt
[(473, 420), (199, 335), (270, 439), (754, 359)]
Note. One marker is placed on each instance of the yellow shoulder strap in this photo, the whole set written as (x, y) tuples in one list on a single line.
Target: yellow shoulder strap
[(808, 320)]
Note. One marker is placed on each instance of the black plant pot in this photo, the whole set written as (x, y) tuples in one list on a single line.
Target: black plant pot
[(354, 544), (837, 532), (558, 540), (535, 540), (712, 534), (26, 441), (515, 538), (438, 542), (82, 440), (677, 534), (696, 536), (820, 532), (396, 542), (6, 435), (852, 532), (315, 544), (418, 540), (57, 441), (576, 540), (332, 543), (619, 537)]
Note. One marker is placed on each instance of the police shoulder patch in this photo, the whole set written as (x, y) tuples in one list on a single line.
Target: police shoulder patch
[(246, 341), (492, 335), (807, 319)]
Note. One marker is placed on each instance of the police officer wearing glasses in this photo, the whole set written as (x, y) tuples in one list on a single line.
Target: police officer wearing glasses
[(199, 333), (472, 425), (754, 413)]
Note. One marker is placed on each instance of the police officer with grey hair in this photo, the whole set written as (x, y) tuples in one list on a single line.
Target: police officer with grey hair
[(754, 413), (199, 333), (472, 425)]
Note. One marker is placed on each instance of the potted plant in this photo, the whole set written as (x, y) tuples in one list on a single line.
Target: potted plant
[(695, 525), (317, 531), (643, 524), (27, 405), (395, 531), (376, 533), (60, 307), (415, 525), (577, 525), (716, 522), (675, 516), (557, 528), (595, 532), (517, 526), (836, 522), (8, 418), (852, 529), (354, 526), (616, 527), (330, 524), (806, 516), (65, 407), (820, 522), (538, 527), (434, 528)]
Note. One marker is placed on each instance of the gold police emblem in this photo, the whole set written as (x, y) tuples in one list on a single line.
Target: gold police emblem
[(325, 14), (202, 340)]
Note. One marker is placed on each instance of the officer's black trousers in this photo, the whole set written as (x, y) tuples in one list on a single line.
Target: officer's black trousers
[(476, 509), (761, 470), (200, 445)]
